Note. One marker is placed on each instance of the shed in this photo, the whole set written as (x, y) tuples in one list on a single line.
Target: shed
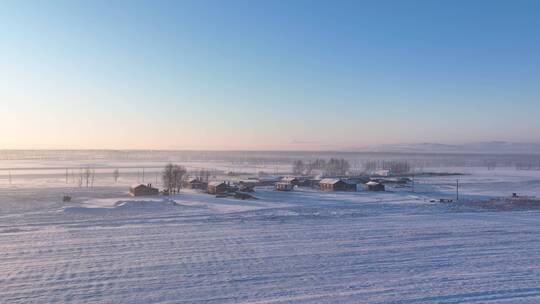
[(336, 184), (217, 187), (290, 180), (383, 172), (247, 185), (374, 186), (142, 190), (194, 183), (283, 186)]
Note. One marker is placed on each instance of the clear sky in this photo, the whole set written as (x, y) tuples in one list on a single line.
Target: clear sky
[(267, 74)]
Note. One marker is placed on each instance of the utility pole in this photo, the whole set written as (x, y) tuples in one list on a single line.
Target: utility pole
[(66, 175), (143, 175), (457, 189), (413, 184), (9, 176)]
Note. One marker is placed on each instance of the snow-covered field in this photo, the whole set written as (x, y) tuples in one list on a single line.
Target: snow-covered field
[(286, 247)]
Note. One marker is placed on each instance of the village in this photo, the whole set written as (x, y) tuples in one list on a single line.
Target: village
[(176, 177), (318, 175)]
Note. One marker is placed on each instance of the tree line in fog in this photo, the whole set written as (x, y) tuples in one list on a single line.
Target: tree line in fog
[(340, 167), (333, 166)]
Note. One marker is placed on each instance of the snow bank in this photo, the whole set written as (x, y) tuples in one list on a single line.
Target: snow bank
[(114, 205)]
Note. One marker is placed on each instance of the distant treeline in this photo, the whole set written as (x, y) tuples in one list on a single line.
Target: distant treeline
[(332, 167), (275, 158), (340, 167), (394, 166)]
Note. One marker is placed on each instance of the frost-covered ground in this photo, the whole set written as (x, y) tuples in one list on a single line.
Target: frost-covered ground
[(286, 247)]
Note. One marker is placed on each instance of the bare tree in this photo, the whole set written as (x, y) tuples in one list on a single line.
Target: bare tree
[(203, 175), (172, 177), (317, 164), (344, 166), (178, 174), (87, 175), (298, 167), (80, 179), (337, 167), (116, 175), (491, 164), (397, 167), (168, 177), (370, 165)]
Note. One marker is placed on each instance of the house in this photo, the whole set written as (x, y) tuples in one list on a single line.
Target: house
[(267, 180), (521, 199), (247, 185), (373, 186), (217, 187), (141, 190), (194, 183), (336, 184), (383, 173), (290, 180), (283, 186)]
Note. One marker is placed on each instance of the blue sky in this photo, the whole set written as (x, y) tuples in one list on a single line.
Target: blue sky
[(267, 74)]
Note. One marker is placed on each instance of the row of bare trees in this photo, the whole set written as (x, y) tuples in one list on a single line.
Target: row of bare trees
[(395, 166), (202, 175), (527, 166), (172, 176), (85, 177), (332, 167)]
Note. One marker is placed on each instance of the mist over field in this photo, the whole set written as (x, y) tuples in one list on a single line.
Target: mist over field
[(301, 246)]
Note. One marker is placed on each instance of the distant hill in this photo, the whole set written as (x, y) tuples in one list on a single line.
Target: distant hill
[(492, 147)]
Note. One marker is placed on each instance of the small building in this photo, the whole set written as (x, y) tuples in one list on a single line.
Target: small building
[(247, 185), (373, 186), (336, 184), (515, 198), (142, 190), (290, 180), (217, 187), (383, 173), (283, 186), (267, 180), (194, 183), (311, 182)]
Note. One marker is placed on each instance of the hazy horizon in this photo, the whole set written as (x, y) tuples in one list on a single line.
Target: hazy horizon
[(486, 148), (255, 75)]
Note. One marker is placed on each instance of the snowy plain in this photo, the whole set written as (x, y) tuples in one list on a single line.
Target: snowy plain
[(304, 246)]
